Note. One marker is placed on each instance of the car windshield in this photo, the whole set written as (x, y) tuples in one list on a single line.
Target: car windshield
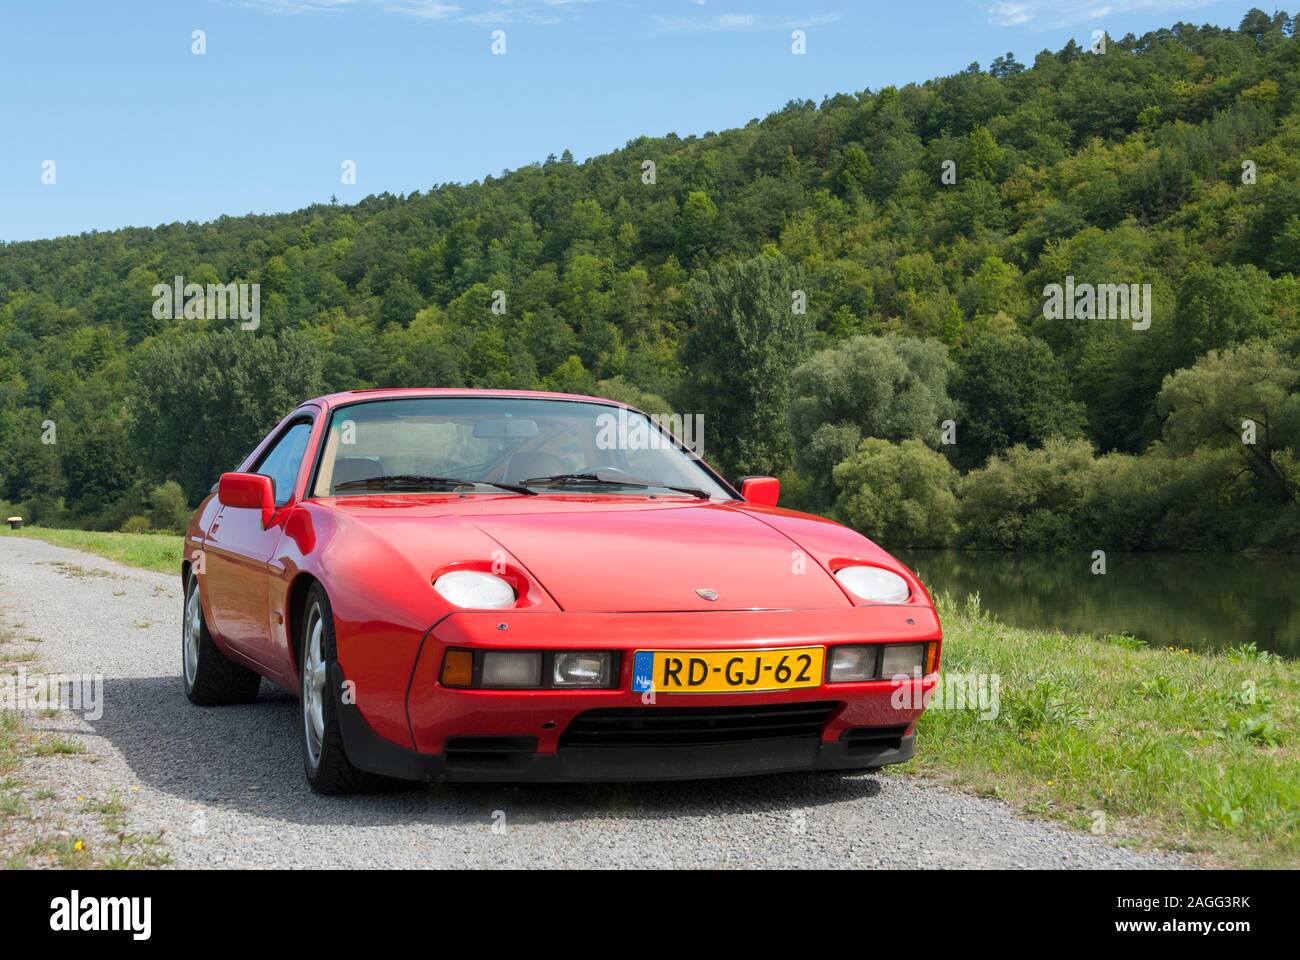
[(504, 445)]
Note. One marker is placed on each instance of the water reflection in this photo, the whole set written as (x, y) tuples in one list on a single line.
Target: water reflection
[(1201, 601)]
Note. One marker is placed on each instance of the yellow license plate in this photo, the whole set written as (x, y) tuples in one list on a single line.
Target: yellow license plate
[(727, 671)]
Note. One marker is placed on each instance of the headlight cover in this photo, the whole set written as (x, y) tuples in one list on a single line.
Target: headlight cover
[(902, 660), (512, 668), (850, 664), (476, 590), (874, 584), (581, 668)]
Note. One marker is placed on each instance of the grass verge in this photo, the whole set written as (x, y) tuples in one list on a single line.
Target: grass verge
[(1160, 748), (40, 827), (150, 551)]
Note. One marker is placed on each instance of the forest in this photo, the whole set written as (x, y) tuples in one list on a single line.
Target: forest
[(852, 293)]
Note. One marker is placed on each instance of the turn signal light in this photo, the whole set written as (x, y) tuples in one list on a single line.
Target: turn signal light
[(931, 657), (458, 668)]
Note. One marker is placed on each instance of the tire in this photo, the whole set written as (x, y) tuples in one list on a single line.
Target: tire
[(209, 678), (324, 759)]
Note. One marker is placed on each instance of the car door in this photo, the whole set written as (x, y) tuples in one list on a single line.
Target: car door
[(238, 550)]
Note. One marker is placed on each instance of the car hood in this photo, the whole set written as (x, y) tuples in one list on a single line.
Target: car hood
[(663, 559)]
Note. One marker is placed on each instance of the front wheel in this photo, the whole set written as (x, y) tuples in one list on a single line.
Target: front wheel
[(324, 759), (210, 679)]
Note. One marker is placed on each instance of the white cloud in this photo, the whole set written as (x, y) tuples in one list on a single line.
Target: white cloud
[(297, 6), (423, 9), (476, 12), (818, 20), (738, 21), (1044, 14)]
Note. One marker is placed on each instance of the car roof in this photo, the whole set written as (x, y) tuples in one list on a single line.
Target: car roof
[(396, 393)]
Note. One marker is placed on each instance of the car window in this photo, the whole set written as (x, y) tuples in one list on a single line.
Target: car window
[(569, 450), (487, 440), (281, 462)]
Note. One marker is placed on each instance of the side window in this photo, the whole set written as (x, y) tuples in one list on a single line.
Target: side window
[(281, 462)]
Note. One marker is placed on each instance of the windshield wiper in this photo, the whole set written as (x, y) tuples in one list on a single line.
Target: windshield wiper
[(593, 479), (399, 480)]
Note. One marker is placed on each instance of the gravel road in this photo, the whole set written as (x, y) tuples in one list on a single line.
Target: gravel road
[(226, 784)]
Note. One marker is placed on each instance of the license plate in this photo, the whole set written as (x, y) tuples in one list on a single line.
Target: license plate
[(727, 671)]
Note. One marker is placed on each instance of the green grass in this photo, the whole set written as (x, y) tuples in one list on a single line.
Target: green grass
[(69, 853), (13, 735), (151, 551), (1193, 752)]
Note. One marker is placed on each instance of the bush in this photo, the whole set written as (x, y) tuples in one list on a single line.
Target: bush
[(1161, 502), (1028, 499), (168, 510), (136, 524), (45, 510), (900, 495)]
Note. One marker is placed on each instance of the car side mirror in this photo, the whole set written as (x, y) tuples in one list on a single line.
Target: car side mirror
[(247, 491), (760, 491)]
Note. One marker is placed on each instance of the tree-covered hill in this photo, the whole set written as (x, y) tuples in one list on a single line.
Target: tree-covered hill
[(919, 225)]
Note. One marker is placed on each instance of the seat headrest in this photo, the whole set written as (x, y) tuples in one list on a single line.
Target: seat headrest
[(356, 468), (525, 466)]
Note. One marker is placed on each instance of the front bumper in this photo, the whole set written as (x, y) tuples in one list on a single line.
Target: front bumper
[(517, 760), (519, 735)]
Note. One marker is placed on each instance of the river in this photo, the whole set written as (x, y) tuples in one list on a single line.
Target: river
[(1198, 601)]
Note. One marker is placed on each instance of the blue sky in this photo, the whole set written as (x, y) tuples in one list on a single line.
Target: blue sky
[(143, 132)]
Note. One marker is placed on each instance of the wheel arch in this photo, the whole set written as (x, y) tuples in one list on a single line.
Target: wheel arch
[(295, 611)]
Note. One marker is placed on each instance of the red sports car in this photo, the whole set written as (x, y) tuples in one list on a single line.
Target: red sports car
[(515, 586)]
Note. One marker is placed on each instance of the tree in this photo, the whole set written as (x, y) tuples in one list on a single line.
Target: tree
[(1011, 391), (95, 452), (982, 156), (570, 377), (891, 388), (995, 287), (402, 302), (817, 456), (697, 230), (1243, 399), (200, 404), (1217, 307), (1006, 66), (33, 476), (747, 340), (488, 363), (852, 172)]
